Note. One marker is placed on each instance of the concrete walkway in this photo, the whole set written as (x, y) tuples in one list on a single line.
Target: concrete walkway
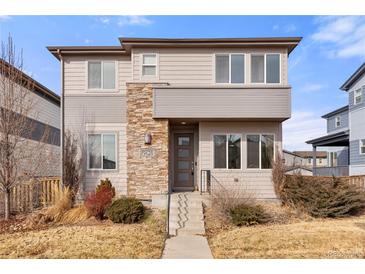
[(187, 247), (187, 227)]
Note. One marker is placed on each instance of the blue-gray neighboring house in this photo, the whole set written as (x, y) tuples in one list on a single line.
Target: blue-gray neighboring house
[(345, 139)]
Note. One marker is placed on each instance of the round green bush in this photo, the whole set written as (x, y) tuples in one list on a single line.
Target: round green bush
[(248, 215), (125, 210)]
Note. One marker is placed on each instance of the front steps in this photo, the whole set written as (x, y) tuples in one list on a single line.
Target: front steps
[(186, 214)]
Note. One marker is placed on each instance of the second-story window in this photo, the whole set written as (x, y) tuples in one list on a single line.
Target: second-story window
[(362, 146), (357, 96), (149, 64), (265, 68), (230, 68), (338, 121), (101, 75)]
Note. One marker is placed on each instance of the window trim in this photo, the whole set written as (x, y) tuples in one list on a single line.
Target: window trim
[(102, 150), (229, 67), (241, 149), (103, 90), (338, 119), (274, 145), (361, 145), (157, 61), (265, 73), (360, 92)]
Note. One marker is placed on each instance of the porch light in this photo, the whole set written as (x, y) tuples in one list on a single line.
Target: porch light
[(147, 138), (183, 123)]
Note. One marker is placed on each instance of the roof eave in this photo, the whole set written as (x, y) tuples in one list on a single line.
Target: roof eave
[(353, 78), (58, 51)]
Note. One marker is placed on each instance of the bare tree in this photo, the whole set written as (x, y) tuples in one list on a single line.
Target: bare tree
[(22, 156), (73, 162)]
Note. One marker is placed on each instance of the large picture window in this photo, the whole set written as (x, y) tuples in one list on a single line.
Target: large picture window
[(101, 151), (362, 146), (265, 68), (101, 75), (230, 68), (227, 151), (260, 151)]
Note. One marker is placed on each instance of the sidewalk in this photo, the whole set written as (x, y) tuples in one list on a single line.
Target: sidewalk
[(187, 247)]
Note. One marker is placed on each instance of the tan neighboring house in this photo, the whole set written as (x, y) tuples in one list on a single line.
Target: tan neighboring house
[(321, 158), (160, 115)]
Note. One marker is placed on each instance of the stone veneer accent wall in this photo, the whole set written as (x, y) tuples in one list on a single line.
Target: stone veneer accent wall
[(147, 165)]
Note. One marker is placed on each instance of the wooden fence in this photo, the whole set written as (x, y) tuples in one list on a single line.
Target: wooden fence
[(35, 194)]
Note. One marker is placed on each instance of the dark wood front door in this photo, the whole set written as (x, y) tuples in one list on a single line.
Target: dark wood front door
[(184, 161)]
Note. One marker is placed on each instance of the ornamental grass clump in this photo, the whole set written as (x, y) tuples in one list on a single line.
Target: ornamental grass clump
[(126, 210)]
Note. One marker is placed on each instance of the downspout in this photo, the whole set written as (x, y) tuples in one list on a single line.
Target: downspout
[(62, 114)]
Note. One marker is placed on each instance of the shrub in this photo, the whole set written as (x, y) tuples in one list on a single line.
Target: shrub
[(97, 202), (322, 196), (247, 215), (106, 184), (125, 210)]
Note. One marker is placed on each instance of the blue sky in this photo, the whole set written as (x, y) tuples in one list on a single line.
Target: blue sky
[(331, 50)]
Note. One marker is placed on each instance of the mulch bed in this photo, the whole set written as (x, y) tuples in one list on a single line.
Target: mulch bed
[(15, 224)]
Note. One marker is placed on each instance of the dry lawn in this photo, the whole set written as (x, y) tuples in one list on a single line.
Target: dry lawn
[(288, 238), (90, 240)]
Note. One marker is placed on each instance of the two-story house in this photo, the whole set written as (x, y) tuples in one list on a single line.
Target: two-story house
[(41, 110), (175, 114), (345, 139)]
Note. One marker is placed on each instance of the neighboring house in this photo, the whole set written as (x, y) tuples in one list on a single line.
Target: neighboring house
[(307, 156), (43, 118), (299, 170), (291, 159), (295, 164), (170, 114), (346, 131)]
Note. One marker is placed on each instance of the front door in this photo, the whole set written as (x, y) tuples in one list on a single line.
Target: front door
[(183, 161)]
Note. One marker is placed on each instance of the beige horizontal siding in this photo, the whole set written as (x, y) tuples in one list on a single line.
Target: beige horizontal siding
[(75, 73), (196, 66), (222, 103), (119, 176), (256, 182)]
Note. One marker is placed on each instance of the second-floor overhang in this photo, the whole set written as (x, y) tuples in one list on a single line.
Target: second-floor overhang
[(338, 139), (222, 103)]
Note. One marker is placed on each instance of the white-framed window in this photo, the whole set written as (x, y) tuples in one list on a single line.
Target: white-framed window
[(101, 151), (149, 64), (260, 151), (230, 68), (310, 161), (227, 151), (362, 146), (265, 68), (101, 75), (338, 121), (357, 96)]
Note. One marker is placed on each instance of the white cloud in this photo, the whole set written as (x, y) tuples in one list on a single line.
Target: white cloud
[(341, 36), (290, 28), (303, 126), (134, 20), (286, 28), (311, 87), (104, 20), (4, 17)]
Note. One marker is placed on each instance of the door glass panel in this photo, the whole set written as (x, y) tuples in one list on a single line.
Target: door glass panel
[(184, 141), (183, 177), (183, 164), (183, 152)]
